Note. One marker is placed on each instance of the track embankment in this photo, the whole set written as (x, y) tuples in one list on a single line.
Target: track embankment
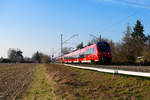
[(119, 67), (77, 84)]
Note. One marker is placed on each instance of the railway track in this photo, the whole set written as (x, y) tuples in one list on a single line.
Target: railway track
[(119, 67), (124, 70)]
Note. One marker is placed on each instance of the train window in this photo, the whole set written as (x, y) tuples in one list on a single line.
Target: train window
[(81, 55), (93, 50), (67, 57), (87, 52), (90, 51), (71, 57), (76, 56)]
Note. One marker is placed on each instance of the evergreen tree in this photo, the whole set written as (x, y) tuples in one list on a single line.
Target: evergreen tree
[(80, 46), (138, 38), (36, 57), (138, 33)]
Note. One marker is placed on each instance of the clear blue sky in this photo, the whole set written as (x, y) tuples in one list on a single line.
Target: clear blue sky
[(32, 25)]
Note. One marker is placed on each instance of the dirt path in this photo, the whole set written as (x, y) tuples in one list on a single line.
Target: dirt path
[(40, 88)]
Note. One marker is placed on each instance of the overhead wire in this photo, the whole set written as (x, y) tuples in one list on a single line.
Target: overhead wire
[(120, 21)]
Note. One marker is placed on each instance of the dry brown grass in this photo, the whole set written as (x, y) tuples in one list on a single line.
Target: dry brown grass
[(77, 84), (14, 80)]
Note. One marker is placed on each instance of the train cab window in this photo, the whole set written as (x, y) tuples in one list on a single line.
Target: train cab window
[(103, 47)]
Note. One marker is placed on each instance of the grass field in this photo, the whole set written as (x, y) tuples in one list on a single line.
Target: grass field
[(59, 82), (40, 88), (77, 84), (14, 80)]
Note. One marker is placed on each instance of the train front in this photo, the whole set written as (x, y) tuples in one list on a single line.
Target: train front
[(104, 53)]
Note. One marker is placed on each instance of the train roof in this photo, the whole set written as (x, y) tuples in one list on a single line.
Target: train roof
[(80, 50)]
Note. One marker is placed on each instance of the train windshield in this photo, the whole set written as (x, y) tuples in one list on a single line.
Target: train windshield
[(103, 47)]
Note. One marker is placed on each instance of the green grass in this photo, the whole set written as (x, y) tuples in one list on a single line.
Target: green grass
[(79, 84), (40, 88)]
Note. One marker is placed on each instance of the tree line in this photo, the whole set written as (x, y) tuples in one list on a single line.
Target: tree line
[(133, 46), (16, 56)]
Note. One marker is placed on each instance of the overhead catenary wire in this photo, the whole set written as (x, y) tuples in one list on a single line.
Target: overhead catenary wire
[(70, 38), (110, 26), (64, 42)]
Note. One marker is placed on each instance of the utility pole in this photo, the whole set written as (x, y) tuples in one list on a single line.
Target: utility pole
[(95, 38), (100, 38), (52, 52), (61, 44), (52, 55)]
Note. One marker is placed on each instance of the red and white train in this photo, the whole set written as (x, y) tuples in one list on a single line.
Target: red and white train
[(96, 53)]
